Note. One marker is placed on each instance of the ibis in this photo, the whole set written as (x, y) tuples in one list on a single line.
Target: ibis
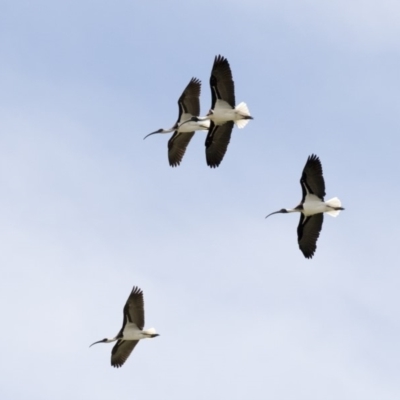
[(131, 331), (223, 113), (189, 107), (312, 206)]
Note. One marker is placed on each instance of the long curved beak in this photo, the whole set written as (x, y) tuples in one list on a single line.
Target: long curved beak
[(100, 341), (152, 133), (276, 212)]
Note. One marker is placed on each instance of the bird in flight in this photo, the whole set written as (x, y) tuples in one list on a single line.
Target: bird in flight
[(223, 113), (131, 331), (184, 127), (312, 206)]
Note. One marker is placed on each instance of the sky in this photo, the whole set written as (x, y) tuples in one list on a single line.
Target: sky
[(88, 209)]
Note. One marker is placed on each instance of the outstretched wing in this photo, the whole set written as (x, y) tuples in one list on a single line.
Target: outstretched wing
[(177, 147), (121, 351), (217, 142), (312, 179), (189, 103), (221, 82), (134, 308), (308, 233)]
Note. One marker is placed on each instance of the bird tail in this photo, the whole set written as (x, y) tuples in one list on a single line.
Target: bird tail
[(244, 112), (151, 331), (334, 203)]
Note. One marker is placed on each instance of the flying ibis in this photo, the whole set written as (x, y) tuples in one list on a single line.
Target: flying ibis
[(131, 331), (189, 106), (223, 113), (312, 206)]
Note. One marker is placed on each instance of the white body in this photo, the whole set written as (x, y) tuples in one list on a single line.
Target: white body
[(313, 205), (132, 332), (223, 112), (190, 126)]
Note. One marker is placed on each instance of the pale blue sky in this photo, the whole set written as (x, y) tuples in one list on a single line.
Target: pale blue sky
[(88, 209)]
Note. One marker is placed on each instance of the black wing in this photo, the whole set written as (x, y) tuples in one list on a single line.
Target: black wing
[(221, 82), (177, 147), (121, 351), (217, 142), (308, 233), (134, 308), (189, 102), (312, 178)]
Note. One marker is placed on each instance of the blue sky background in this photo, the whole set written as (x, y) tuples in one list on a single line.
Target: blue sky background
[(88, 209)]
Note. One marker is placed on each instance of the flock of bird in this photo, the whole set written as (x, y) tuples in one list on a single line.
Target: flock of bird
[(219, 122)]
